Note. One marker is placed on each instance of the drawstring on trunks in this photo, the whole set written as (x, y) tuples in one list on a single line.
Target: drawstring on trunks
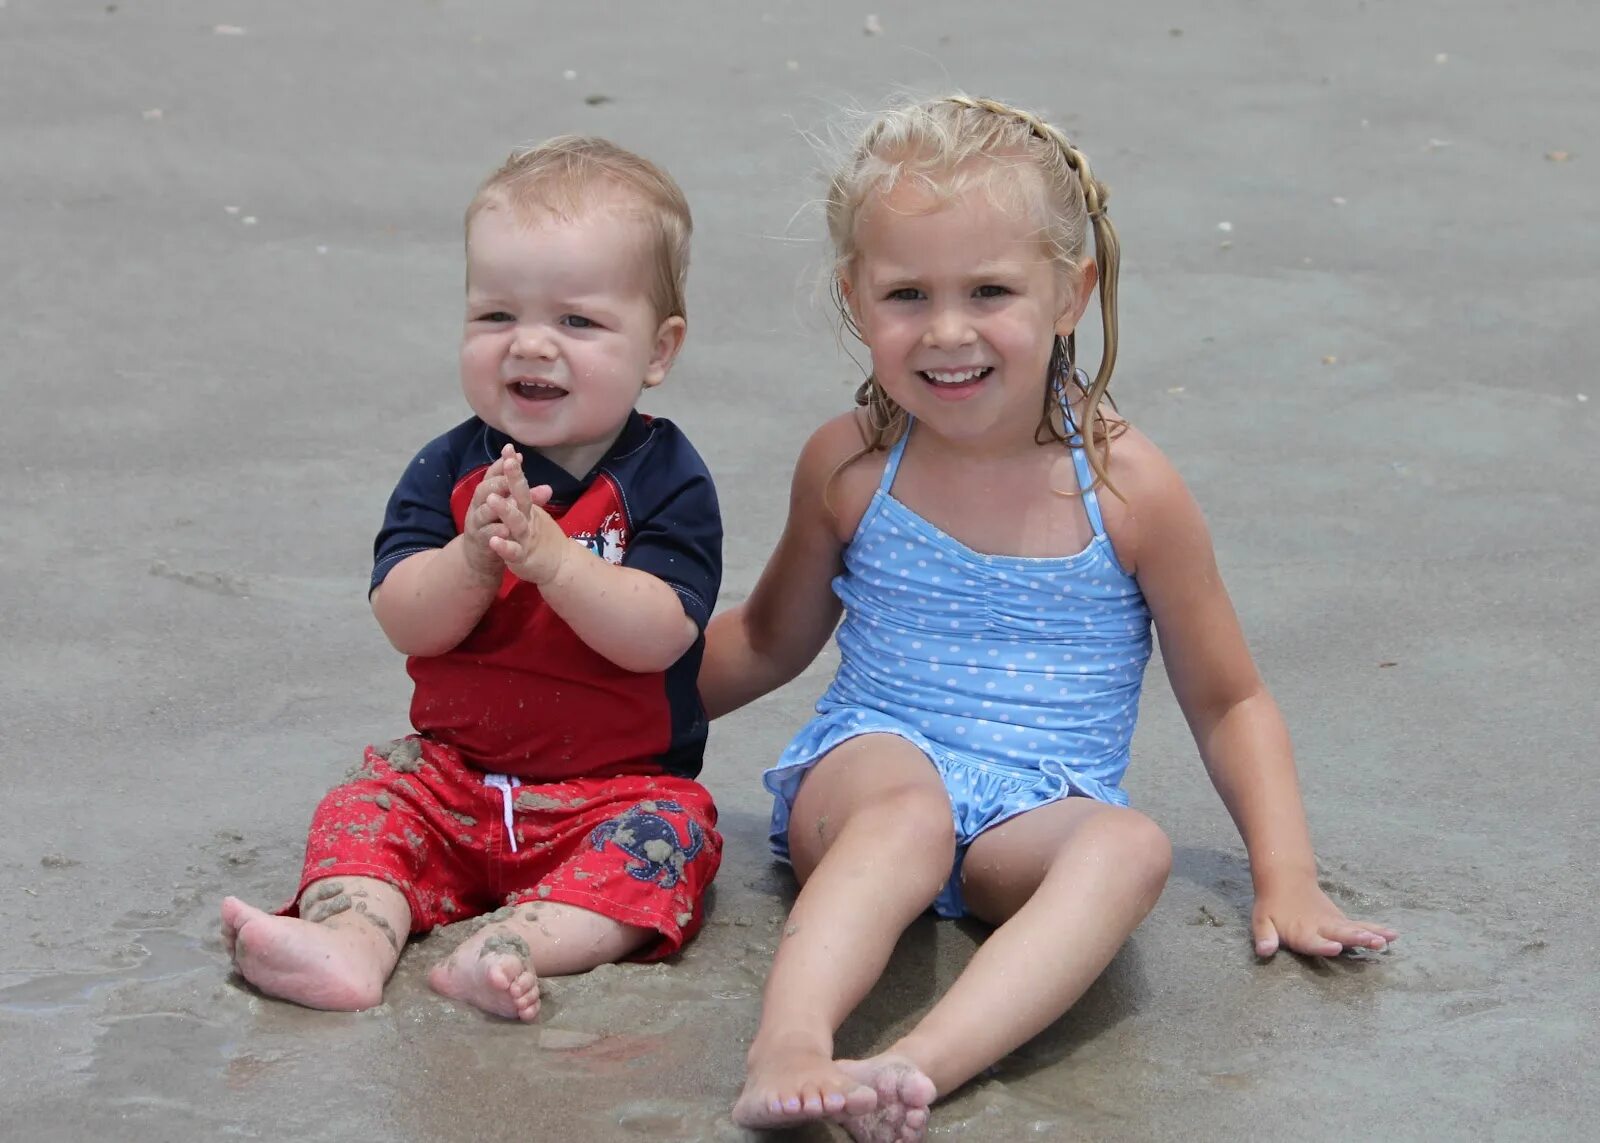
[(505, 785)]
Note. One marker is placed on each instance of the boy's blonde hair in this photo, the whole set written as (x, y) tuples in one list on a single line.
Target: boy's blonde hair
[(947, 146), (569, 174)]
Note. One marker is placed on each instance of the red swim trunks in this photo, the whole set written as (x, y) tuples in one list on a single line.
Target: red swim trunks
[(459, 842)]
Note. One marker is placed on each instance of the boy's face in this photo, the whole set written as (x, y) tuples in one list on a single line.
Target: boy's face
[(561, 335)]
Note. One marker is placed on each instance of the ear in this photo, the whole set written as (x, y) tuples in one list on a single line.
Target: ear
[(847, 295), (669, 339), (1079, 291)]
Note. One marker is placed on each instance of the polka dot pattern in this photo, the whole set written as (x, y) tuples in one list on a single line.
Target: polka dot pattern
[(1018, 677)]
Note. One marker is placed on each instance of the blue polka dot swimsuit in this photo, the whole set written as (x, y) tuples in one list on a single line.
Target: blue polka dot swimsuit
[(1018, 677)]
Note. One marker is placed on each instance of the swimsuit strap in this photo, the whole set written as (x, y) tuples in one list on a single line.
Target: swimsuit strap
[(893, 465), (1080, 461)]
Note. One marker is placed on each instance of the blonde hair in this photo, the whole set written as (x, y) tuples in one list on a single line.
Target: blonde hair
[(565, 176), (947, 146)]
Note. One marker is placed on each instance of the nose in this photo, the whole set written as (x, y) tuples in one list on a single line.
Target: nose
[(949, 329), (533, 341)]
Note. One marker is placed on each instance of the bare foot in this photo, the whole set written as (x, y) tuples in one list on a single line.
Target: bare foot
[(788, 1084), (314, 965), (904, 1096), (494, 972)]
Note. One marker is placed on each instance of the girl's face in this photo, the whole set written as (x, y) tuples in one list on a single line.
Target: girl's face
[(959, 304)]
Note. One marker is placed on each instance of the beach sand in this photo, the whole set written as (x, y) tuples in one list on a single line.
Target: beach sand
[(1357, 311)]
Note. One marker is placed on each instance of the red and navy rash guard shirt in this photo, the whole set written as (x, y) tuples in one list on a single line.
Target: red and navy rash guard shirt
[(522, 694)]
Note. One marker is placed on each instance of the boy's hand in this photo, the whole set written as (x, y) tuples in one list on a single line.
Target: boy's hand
[(527, 540), (1301, 918), (482, 525)]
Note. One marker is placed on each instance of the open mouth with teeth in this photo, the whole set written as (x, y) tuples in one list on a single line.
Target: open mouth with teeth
[(537, 390), (955, 378)]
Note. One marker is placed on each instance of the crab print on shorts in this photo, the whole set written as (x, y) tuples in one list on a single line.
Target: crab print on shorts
[(653, 843)]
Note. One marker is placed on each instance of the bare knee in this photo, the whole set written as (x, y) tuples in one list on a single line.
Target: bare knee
[(909, 826), (1135, 846), (912, 816)]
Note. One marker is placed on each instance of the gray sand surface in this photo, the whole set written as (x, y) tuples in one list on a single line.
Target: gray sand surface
[(230, 274)]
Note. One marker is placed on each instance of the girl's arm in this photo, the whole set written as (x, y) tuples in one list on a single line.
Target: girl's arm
[(1236, 724), (773, 635)]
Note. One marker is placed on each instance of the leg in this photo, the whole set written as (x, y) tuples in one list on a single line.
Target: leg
[(1066, 883), (336, 955), (872, 842), (498, 969), (607, 867)]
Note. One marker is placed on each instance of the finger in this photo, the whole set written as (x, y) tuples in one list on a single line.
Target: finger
[(515, 523), (1351, 934), (508, 550), (1266, 937), (541, 494), (518, 487), (1308, 942), (484, 518), (1383, 931)]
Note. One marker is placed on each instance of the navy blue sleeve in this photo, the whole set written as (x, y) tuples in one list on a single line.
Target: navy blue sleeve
[(418, 517), (677, 523)]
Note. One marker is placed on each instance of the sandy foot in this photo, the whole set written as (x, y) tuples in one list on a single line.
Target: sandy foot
[(492, 972), (904, 1096), (788, 1085), (296, 960)]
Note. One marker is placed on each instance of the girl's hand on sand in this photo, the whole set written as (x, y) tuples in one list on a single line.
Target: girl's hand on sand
[(530, 542), (1302, 919)]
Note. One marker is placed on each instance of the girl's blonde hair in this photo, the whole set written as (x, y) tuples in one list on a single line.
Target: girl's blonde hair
[(569, 174), (947, 146)]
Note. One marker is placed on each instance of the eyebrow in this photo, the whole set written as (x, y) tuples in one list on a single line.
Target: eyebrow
[(988, 270)]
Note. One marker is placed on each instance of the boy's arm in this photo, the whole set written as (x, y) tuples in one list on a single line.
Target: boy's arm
[(432, 600), (631, 617), (443, 582), (634, 618), (1236, 723), (775, 634)]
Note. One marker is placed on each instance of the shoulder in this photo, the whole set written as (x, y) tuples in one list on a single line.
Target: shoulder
[(462, 448), (449, 456), (834, 442), (660, 471), (836, 474), (663, 448), (1147, 498)]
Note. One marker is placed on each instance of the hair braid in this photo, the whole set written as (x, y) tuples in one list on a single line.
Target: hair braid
[(1108, 259)]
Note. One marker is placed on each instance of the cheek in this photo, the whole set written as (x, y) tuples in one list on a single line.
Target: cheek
[(887, 335), (481, 349)]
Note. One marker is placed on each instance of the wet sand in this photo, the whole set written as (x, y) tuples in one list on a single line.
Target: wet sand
[(231, 281)]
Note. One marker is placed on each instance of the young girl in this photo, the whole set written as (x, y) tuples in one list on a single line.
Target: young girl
[(999, 542)]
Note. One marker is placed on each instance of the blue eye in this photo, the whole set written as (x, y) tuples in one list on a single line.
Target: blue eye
[(498, 317), (578, 321), (904, 294), (991, 291)]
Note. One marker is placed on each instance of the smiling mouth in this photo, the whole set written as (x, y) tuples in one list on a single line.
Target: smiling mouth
[(537, 390), (953, 378)]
